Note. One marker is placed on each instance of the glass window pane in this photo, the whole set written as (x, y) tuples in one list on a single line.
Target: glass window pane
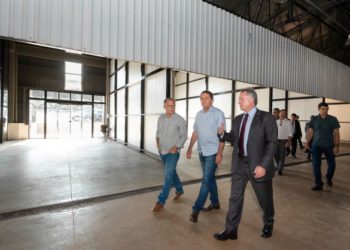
[(99, 98), (180, 77), (87, 98), (121, 78), (134, 105), (341, 111), (134, 130), (196, 88), (121, 115), (52, 120), (73, 82), (243, 85), (112, 83), (219, 84), (194, 105), (263, 99), (87, 121), (279, 104), (150, 136), (98, 119), (155, 93), (295, 94), (37, 93), (73, 68), (331, 101), (36, 118), (278, 93), (52, 95), (76, 97), (112, 66), (181, 108), (134, 72), (194, 76), (180, 91), (120, 63), (304, 108), (223, 102), (150, 68), (64, 96)]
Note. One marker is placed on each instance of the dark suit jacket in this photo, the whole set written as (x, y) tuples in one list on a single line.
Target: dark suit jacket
[(298, 132), (261, 146)]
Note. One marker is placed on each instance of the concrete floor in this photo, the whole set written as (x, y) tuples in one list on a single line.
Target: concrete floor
[(42, 172)]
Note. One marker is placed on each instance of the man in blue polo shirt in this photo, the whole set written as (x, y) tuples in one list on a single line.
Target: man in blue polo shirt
[(210, 149), (324, 134)]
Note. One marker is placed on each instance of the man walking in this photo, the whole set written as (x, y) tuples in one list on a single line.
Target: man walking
[(254, 137), (210, 149), (171, 137), (284, 138), (324, 134)]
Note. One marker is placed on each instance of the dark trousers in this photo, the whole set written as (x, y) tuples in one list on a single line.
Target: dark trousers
[(280, 154), (263, 191), (317, 152), (294, 144)]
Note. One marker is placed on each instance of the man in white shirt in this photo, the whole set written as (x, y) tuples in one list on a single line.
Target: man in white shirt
[(285, 134)]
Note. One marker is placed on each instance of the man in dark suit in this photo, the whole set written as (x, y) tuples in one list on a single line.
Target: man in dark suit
[(254, 137), (296, 134)]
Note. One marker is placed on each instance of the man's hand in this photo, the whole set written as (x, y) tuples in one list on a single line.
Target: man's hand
[(173, 150), (218, 159), (189, 153), (336, 150), (221, 129), (259, 172)]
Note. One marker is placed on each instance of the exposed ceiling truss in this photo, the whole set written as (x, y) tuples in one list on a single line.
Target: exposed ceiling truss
[(322, 25)]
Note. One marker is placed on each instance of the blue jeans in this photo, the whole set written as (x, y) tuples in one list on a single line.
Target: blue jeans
[(170, 176), (208, 182), (316, 152)]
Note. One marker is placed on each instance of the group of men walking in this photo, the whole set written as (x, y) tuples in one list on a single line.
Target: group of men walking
[(257, 139)]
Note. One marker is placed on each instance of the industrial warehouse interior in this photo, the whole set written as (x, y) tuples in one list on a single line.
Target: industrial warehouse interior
[(82, 85)]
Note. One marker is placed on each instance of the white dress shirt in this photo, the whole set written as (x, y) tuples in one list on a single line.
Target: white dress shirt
[(285, 129)]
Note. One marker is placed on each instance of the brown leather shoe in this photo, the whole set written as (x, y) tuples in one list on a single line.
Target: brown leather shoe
[(194, 217), (157, 207), (177, 196), (211, 206)]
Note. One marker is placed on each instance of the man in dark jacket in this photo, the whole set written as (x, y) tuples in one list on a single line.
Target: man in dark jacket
[(254, 137)]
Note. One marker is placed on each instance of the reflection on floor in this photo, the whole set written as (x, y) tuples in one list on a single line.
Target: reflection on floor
[(42, 172)]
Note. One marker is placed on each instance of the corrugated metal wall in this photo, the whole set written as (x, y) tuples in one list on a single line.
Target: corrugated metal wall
[(189, 35)]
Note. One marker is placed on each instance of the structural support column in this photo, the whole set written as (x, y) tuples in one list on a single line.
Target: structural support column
[(12, 79)]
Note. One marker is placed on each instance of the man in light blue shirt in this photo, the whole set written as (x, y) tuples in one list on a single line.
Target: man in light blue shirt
[(210, 149)]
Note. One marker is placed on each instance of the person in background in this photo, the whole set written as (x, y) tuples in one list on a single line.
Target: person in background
[(296, 134), (299, 138), (324, 134), (276, 113), (307, 126), (285, 135)]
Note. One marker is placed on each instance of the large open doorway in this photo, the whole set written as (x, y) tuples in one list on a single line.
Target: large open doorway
[(50, 118)]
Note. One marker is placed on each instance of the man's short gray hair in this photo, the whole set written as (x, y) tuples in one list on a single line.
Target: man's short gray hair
[(251, 92), (169, 99)]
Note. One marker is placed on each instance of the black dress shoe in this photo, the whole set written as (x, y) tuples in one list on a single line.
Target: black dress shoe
[(280, 172), (194, 217), (267, 231), (211, 206), (224, 235), (317, 188)]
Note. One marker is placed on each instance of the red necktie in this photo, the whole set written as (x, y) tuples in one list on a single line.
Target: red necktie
[(241, 136)]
